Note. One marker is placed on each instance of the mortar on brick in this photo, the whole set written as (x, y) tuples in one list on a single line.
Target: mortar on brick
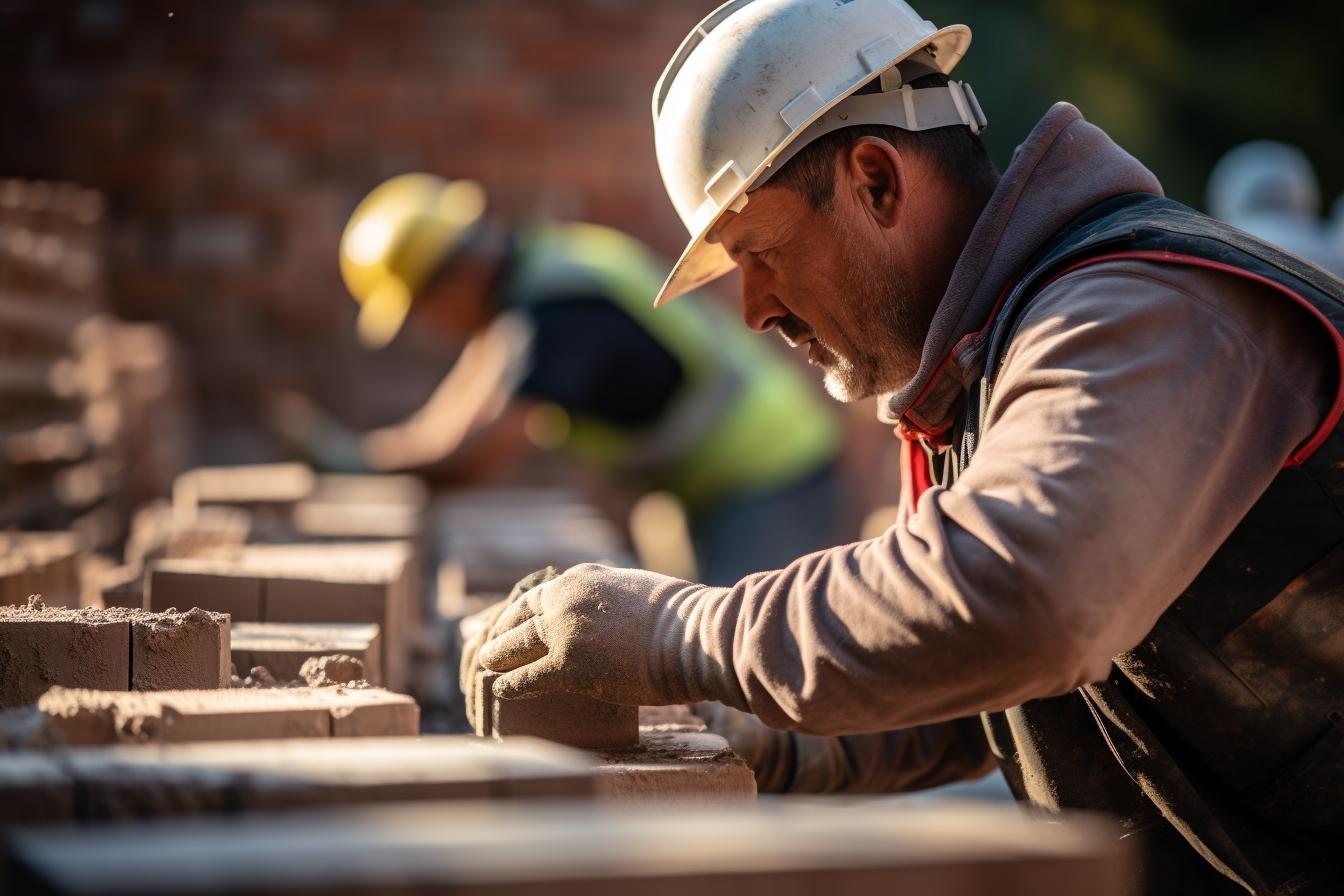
[(179, 651), (87, 718), (44, 646), (332, 671)]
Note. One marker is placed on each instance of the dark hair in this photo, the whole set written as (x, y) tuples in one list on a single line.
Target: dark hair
[(957, 154)]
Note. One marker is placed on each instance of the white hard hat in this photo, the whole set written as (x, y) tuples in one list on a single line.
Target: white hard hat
[(758, 80)]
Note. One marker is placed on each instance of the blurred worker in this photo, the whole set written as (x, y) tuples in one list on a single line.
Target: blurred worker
[(1122, 544), (1270, 190), (562, 343)]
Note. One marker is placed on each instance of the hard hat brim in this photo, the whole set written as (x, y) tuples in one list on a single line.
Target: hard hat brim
[(702, 261), (380, 320)]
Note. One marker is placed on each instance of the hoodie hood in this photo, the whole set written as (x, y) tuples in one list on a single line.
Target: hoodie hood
[(1064, 167)]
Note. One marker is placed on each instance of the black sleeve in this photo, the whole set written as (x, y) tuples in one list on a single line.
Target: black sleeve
[(591, 358)]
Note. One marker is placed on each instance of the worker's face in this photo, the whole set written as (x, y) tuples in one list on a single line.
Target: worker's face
[(456, 304), (833, 280)]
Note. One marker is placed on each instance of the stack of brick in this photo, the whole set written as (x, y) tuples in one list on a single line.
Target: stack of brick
[(91, 411), (366, 583), (155, 781), (564, 849), (113, 650)]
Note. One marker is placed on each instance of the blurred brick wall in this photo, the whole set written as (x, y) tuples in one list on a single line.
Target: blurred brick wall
[(233, 138)]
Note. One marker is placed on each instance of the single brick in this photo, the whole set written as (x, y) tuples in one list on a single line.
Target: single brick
[(569, 719), (83, 717), (179, 651), (282, 647), (677, 768), (210, 583), (243, 485), (45, 646)]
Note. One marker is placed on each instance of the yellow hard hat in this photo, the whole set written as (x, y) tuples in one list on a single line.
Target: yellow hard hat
[(395, 241)]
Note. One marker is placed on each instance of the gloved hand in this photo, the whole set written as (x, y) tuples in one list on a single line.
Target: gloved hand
[(477, 628), (621, 635)]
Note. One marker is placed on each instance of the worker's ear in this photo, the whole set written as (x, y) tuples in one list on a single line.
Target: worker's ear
[(874, 169)]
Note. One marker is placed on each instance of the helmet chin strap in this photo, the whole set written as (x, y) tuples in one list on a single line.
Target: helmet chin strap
[(895, 105)]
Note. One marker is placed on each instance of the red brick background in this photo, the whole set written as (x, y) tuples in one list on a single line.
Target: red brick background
[(232, 140)]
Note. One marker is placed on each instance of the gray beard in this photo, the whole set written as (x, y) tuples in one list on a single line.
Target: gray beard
[(885, 343)]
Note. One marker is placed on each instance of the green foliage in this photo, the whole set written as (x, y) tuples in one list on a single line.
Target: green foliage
[(1176, 82)]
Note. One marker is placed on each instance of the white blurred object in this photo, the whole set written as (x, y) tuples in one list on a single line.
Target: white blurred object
[(1270, 190), (1337, 225)]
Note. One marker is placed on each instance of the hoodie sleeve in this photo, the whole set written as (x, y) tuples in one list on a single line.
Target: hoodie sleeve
[(1140, 412)]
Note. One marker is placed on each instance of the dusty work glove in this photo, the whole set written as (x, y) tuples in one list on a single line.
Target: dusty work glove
[(477, 628), (621, 635)]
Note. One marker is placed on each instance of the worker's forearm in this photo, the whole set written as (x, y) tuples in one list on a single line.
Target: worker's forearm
[(891, 761)]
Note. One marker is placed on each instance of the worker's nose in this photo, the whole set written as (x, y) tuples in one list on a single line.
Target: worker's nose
[(761, 309)]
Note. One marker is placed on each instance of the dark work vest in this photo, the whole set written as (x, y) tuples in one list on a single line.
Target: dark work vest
[(1218, 741)]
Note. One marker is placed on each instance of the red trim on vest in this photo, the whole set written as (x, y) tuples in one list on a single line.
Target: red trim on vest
[(1307, 448), (917, 471)]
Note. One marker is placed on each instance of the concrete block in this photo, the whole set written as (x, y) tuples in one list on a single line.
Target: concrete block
[(213, 584), (89, 718), (179, 651), (41, 647), (472, 849), (569, 719), (282, 647)]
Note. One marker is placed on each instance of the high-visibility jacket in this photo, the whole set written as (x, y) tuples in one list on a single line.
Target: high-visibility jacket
[(744, 420)]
